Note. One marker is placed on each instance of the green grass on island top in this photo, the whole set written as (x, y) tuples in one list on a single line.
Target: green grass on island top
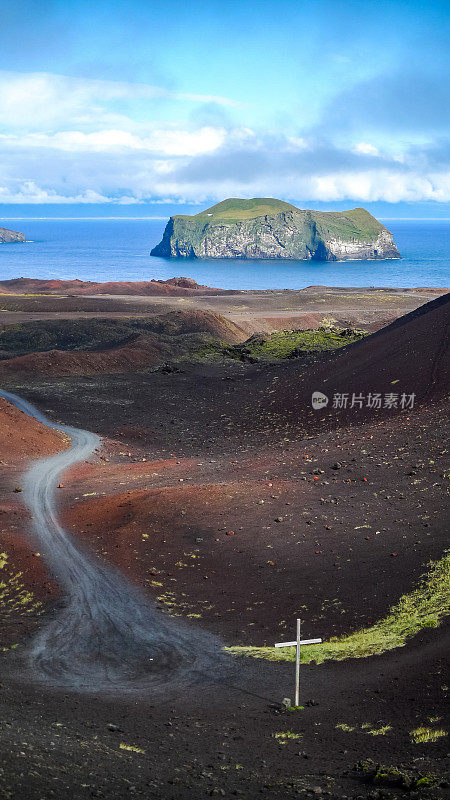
[(236, 208), (424, 607), (354, 223)]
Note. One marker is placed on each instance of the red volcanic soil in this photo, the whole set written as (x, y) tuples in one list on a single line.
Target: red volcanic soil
[(22, 436), (144, 350), (333, 528), (178, 322), (176, 287)]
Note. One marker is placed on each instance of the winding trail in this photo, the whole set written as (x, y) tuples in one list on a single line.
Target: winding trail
[(108, 636)]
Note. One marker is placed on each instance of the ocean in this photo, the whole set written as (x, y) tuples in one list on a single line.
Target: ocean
[(119, 249)]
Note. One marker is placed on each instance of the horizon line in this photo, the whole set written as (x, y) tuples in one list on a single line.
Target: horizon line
[(3, 219), (387, 219)]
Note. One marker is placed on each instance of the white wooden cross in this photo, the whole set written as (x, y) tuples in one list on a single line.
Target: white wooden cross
[(297, 644)]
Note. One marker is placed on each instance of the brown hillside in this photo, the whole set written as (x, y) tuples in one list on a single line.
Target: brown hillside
[(178, 287), (175, 323), (24, 437), (411, 355), (143, 351), (147, 349)]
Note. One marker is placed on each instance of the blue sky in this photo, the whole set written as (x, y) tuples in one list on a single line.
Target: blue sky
[(118, 103)]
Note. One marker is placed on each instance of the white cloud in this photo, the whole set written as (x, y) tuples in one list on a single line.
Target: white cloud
[(357, 188), (159, 182), (167, 141), (140, 176), (366, 149), (67, 140), (29, 192), (43, 101), (386, 185)]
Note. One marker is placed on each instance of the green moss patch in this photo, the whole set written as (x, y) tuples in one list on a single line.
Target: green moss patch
[(386, 775), (291, 344), (425, 607), (279, 346)]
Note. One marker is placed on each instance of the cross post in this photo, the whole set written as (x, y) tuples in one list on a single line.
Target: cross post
[(297, 644)]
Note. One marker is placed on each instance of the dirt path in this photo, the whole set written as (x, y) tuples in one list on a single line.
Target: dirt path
[(107, 636)]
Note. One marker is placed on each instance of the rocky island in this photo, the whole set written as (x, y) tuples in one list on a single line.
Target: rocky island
[(269, 228), (7, 236)]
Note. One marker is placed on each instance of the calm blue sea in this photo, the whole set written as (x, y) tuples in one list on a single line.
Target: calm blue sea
[(119, 249)]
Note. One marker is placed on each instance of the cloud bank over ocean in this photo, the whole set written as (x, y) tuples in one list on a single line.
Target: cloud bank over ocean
[(362, 122)]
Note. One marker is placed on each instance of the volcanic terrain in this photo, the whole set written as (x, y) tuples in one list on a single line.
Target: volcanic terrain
[(236, 507)]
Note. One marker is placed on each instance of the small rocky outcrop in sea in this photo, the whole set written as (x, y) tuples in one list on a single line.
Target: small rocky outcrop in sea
[(7, 236), (268, 228)]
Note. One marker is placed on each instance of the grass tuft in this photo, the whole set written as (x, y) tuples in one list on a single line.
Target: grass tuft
[(425, 607), (423, 734), (131, 748), (283, 736)]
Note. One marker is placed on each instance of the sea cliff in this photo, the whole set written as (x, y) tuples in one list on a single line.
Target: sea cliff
[(7, 236), (268, 228)]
